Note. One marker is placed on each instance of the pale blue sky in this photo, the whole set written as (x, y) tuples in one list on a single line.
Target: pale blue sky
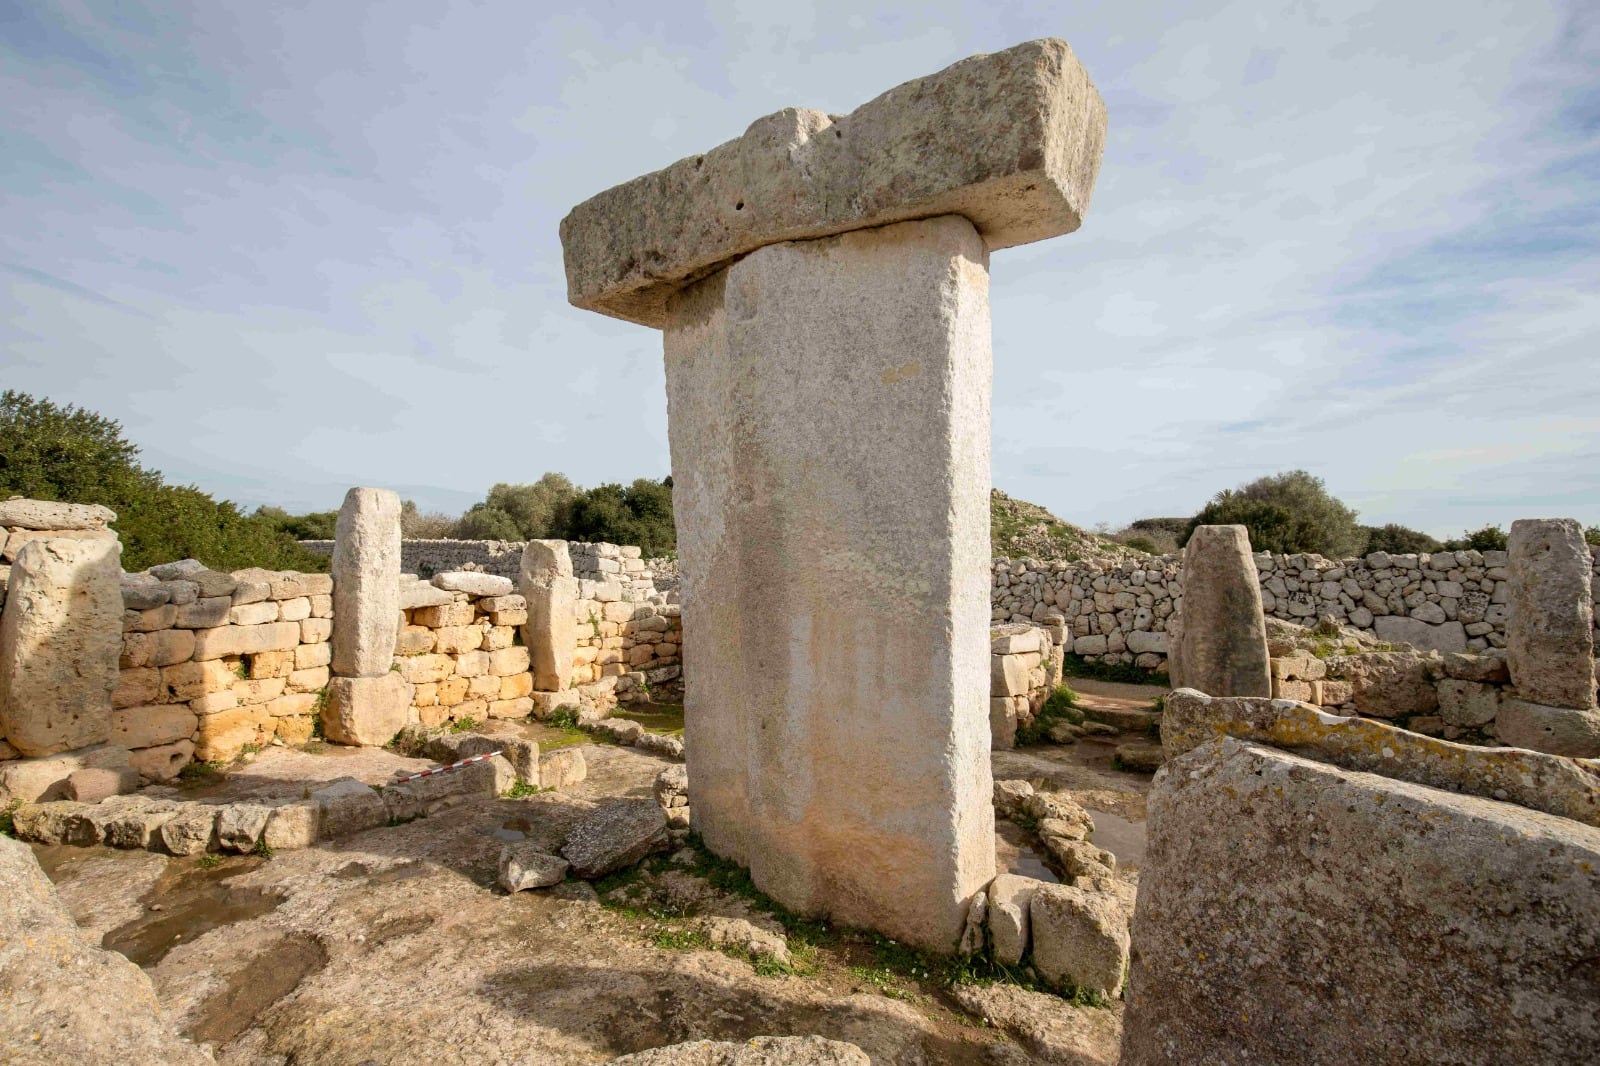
[(296, 247)]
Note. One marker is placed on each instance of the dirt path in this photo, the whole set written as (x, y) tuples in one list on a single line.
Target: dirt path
[(396, 944)]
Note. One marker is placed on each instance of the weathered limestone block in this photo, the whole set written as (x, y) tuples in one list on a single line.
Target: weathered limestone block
[(551, 632), (1080, 938), (66, 1000), (829, 422), (1550, 631), (49, 515), (1532, 778), (1011, 141), (1372, 921), (1009, 899), (368, 710), (615, 836), (757, 1051), (348, 806), (524, 866), (473, 583), (163, 762), (1390, 684), (60, 643), (366, 585), (1221, 646), (1557, 730), (1446, 638), (563, 769)]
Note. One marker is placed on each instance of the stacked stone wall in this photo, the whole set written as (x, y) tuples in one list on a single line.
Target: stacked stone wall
[(624, 647), (597, 561), (213, 663), (463, 653), (1118, 610)]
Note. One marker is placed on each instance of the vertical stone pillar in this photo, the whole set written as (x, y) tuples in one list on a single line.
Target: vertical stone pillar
[(1219, 645), (367, 702), (551, 632), (60, 642), (828, 408), (823, 285), (1550, 641)]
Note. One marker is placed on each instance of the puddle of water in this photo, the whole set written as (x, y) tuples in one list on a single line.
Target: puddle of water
[(515, 829), (1122, 838), (1014, 854), (256, 986), (194, 900)]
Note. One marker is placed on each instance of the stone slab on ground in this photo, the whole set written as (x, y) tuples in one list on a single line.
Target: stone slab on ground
[(1011, 141), (66, 1000), (757, 1051), (524, 866), (34, 780), (1372, 921), (614, 836)]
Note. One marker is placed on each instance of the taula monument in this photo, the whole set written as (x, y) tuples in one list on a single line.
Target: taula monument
[(823, 286)]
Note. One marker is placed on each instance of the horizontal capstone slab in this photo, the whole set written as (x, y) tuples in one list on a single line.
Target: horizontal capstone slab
[(1012, 141)]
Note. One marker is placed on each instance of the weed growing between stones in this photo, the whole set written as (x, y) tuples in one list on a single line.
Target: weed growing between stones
[(1095, 670), (199, 773), (521, 789), (1062, 706), (263, 849), (7, 825), (563, 718), (464, 725), (209, 861)]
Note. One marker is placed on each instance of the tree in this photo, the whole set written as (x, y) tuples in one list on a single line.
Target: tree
[(1286, 513), (1487, 539), (50, 452), (521, 512), (318, 525), (639, 514), (1399, 540), (417, 525), (1591, 535)]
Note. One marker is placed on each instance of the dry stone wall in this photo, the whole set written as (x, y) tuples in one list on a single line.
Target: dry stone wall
[(1118, 610), (593, 561), (462, 650)]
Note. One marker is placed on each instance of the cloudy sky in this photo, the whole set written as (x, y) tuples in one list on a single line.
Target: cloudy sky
[(294, 247)]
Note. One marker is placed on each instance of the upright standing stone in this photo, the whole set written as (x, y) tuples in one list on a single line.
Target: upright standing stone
[(1220, 646), (366, 583), (1550, 629), (828, 409), (551, 632), (60, 640), (828, 383)]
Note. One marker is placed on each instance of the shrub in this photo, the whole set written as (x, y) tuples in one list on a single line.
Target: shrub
[(1399, 540), (1286, 513), (1487, 539)]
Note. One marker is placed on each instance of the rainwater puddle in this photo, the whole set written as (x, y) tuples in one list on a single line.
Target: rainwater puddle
[(193, 900), (1120, 837), (515, 829), (1014, 854)]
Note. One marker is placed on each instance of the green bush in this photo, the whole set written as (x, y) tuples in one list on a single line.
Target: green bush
[(1591, 535), (1399, 540), (1286, 513), (50, 452), (1487, 539)]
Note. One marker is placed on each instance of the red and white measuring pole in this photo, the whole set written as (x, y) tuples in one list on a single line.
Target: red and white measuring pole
[(443, 769)]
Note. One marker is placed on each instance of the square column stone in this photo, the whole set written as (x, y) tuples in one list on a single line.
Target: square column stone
[(366, 583), (828, 406), (1217, 640), (1550, 628)]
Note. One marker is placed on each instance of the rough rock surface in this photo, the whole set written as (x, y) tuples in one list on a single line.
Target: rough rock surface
[(757, 1051), (473, 583), (31, 780), (1373, 921), (1557, 730), (1533, 779), (366, 583), (551, 632), (1445, 637), (1220, 646), (368, 710), (562, 770), (616, 835), (60, 642), (1009, 898), (1011, 141), (50, 515), (524, 866), (1080, 938), (841, 755), (1550, 631), (1388, 684), (63, 999)]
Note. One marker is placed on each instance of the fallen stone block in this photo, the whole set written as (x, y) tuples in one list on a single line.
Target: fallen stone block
[(293, 825), (240, 825), (1080, 939), (739, 934), (1009, 898), (348, 806), (672, 787), (562, 770), (474, 583), (191, 831), (615, 836), (524, 866), (425, 795), (1534, 779), (1556, 730), (54, 822), (91, 785), (1372, 920)]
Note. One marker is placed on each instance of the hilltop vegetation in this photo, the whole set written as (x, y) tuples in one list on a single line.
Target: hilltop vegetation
[(1018, 528)]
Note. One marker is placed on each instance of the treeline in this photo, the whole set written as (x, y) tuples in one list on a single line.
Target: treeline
[(552, 508), (49, 452), (1294, 512)]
